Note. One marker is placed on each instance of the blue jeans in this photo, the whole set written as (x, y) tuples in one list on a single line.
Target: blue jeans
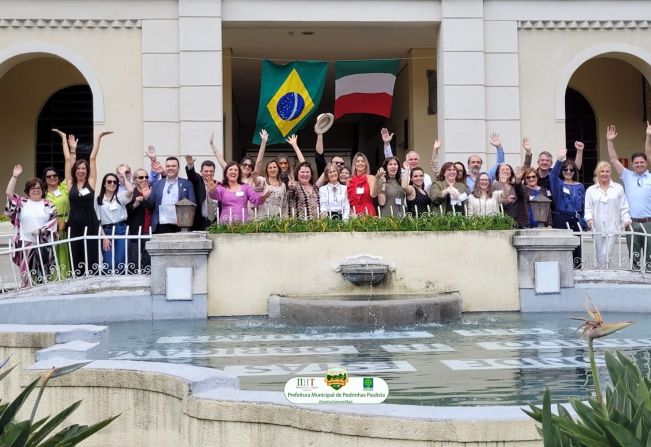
[(117, 252)]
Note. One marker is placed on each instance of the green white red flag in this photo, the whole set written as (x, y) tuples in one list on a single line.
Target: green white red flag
[(365, 86)]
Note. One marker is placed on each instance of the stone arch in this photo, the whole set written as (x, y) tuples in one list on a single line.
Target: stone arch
[(10, 57), (635, 56)]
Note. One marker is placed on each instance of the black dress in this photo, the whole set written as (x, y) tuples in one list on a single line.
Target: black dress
[(421, 201), (82, 215)]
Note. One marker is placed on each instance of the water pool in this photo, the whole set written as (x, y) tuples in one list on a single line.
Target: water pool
[(481, 359)]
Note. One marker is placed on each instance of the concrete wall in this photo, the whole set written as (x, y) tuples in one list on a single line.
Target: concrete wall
[(612, 87), (244, 270), (543, 81)]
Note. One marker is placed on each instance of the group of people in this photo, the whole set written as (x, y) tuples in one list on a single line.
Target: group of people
[(141, 201)]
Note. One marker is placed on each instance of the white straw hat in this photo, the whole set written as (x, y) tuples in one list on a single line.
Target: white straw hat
[(324, 122)]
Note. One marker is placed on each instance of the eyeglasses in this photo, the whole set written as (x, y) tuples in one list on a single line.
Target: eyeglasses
[(111, 182), (568, 169), (246, 165), (141, 177), (52, 176), (35, 188), (529, 177)]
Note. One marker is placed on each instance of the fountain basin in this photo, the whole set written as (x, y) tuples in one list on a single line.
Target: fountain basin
[(364, 310)]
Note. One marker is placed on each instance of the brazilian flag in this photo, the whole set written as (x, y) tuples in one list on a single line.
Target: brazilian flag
[(289, 96)]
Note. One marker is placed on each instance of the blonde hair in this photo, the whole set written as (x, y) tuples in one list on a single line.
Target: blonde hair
[(368, 167), (602, 164)]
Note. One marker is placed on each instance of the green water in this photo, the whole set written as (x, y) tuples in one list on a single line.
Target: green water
[(481, 359)]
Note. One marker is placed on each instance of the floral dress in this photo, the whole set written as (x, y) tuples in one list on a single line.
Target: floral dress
[(32, 262), (303, 204)]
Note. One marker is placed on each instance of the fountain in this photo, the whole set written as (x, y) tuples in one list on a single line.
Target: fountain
[(366, 310)]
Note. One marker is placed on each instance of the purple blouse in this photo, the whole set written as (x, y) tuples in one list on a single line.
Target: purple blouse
[(233, 205)]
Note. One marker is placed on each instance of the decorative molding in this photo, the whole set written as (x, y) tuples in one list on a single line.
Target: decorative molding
[(70, 23), (584, 24)]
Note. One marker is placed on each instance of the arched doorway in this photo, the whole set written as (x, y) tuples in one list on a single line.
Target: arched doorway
[(581, 125), (70, 110)]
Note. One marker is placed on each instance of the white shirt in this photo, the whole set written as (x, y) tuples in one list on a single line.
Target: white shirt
[(608, 210), (167, 210), (334, 198), (112, 211), (484, 206), (32, 217)]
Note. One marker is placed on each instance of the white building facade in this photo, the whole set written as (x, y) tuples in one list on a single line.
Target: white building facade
[(172, 72)]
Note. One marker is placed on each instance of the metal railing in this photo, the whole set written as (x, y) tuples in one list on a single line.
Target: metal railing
[(39, 263), (614, 250)]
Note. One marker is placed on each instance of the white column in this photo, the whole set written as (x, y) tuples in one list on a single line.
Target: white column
[(502, 85), (160, 95), (200, 75), (461, 80)]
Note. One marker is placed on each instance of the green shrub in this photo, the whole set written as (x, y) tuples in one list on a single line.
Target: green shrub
[(31, 433), (426, 222), (622, 419)]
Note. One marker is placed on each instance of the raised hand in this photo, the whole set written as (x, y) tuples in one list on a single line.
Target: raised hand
[(18, 169), (562, 153), (437, 145), (211, 184), (189, 160), (379, 174), (211, 140), (579, 146), (518, 171), (145, 190), (495, 140), (291, 184), (611, 132), (386, 136), (72, 143), (526, 145), (292, 140), (151, 152), (264, 135), (156, 166)]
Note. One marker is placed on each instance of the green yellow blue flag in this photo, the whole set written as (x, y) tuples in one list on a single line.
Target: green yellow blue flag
[(289, 96)]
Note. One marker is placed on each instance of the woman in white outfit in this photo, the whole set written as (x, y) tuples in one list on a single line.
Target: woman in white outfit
[(606, 212)]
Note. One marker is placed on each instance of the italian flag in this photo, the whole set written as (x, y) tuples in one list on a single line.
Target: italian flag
[(365, 86)]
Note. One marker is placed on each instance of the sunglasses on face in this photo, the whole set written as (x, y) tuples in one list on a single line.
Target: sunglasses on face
[(531, 177), (246, 165), (111, 182), (141, 177), (568, 169), (338, 163), (51, 176)]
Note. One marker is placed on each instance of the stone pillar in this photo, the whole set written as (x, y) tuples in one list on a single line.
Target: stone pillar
[(179, 275), (545, 245), (546, 270)]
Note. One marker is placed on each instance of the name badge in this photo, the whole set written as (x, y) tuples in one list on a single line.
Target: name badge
[(84, 191), (398, 201), (360, 190), (239, 193), (549, 193), (113, 206), (531, 197), (463, 196), (57, 193), (566, 190), (603, 199)]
